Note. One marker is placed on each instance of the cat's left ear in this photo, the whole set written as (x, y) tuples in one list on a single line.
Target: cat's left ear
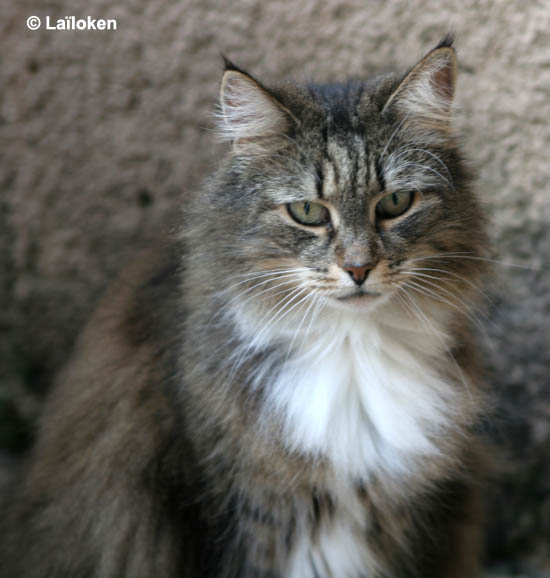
[(250, 114), (426, 93)]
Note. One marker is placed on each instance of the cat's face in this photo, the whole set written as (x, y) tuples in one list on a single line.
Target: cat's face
[(358, 222), (349, 195)]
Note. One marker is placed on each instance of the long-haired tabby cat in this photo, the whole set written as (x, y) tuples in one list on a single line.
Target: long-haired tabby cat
[(288, 389)]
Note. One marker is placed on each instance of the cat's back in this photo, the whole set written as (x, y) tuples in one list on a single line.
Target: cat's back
[(106, 428)]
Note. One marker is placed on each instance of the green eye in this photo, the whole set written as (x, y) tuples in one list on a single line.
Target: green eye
[(308, 213), (394, 205)]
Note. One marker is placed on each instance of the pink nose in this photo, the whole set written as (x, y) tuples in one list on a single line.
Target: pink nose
[(357, 273)]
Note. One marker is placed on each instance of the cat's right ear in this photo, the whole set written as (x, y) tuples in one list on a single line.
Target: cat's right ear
[(250, 114)]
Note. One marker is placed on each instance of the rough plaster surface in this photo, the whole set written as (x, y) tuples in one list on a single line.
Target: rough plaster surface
[(102, 134)]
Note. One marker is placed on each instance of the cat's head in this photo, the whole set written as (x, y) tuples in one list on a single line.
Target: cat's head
[(347, 194)]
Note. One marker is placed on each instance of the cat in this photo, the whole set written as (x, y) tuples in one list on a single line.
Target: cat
[(288, 387)]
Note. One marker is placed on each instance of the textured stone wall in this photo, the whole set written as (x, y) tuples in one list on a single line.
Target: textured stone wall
[(103, 133)]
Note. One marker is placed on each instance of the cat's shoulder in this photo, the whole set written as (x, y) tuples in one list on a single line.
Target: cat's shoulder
[(139, 307), (117, 378)]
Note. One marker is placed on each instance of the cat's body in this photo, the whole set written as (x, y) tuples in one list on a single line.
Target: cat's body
[(262, 398)]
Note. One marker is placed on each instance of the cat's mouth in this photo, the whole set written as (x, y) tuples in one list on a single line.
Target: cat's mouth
[(359, 296), (360, 300)]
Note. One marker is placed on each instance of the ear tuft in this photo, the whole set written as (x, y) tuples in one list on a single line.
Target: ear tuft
[(249, 112), (447, 41), (228, 64), (426, 93)]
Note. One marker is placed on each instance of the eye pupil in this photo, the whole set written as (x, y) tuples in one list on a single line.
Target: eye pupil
[(307, 207), (394, 204)]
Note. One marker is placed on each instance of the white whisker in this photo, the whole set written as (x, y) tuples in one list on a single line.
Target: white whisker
[(287, 276), (467, 255), (432, 294), (289, 279), (398, 128), (315, 298), (399, 153), (253, 343), (262, 273), (429, 326), (432, 170), (475, 287), (424, 278), (285, 310)]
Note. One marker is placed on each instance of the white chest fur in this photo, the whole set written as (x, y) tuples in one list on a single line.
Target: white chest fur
[(340, 549), (365, 392)]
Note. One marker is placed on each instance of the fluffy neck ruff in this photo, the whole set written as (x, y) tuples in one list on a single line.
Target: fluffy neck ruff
[(370, 393)]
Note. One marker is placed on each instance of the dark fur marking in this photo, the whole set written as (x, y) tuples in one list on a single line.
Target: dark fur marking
[(148, 320), (380, 174), (257, 515)]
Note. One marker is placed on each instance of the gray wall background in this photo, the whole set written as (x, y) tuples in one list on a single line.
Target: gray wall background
[(102, 134)]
